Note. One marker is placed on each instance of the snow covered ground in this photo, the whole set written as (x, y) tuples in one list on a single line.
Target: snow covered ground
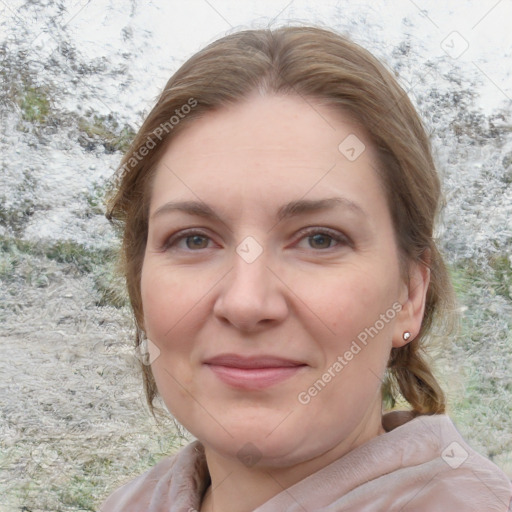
[(77, 79), (113, 58)]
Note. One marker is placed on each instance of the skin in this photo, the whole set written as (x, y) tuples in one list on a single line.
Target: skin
[(305, 297)]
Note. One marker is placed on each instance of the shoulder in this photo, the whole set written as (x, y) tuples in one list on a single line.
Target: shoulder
[(457, 474), (153, 490)]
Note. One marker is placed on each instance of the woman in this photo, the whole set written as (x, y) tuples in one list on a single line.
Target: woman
[(278, 207)]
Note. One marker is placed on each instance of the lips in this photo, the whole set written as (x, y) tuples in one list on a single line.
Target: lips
[(257, 372), (236, 361)]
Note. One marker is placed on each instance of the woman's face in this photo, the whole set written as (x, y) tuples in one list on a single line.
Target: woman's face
[(271, 282)]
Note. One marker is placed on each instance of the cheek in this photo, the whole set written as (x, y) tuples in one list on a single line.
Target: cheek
[(167, 301), (356, 349), (168, 297), (346, 301), (156, 301)]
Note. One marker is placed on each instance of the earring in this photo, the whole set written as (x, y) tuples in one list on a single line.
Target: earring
[(406, 335)]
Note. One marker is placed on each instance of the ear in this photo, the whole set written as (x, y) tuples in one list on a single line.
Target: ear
[(413, 299)]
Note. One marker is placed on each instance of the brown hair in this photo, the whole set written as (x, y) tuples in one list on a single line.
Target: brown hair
[(313, 63)]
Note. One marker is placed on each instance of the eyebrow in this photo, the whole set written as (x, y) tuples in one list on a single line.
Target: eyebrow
[(291, 209)]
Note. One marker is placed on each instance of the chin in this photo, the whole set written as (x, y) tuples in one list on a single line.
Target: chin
[(254, 447)]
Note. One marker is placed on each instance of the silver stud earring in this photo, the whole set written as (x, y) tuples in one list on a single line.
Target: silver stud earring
[(406, 335)]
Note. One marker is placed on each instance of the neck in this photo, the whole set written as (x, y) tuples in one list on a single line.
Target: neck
[(237, 488)]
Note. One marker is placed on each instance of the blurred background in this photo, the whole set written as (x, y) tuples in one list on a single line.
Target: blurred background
[(77, 79)]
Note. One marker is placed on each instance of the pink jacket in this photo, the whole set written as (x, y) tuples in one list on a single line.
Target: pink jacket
[(423, 465)]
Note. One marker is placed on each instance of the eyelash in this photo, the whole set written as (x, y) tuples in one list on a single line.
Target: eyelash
[(335, 236)]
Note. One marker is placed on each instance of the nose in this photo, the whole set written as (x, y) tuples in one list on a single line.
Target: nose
[(251, 297)]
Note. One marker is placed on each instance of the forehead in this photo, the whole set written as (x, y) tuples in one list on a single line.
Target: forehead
[(300, 126), (269, 148)]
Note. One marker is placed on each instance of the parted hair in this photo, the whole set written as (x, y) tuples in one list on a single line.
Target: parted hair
[(320, 64)]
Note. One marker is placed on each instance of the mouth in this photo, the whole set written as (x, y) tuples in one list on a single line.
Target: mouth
[(254, 373)]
